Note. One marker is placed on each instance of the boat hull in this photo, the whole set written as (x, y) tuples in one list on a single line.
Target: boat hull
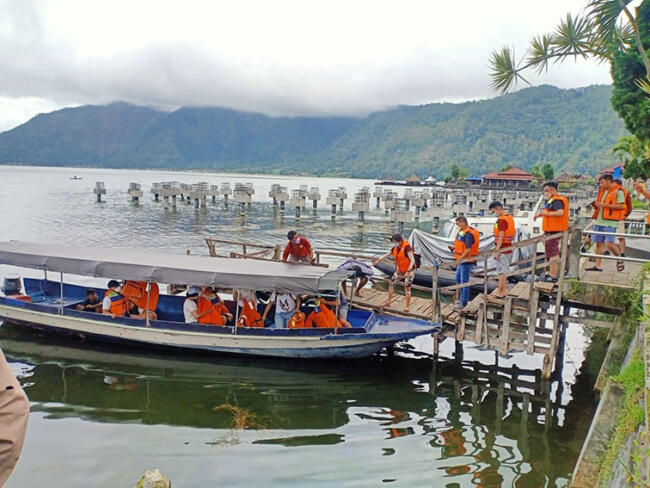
[(285, 343)]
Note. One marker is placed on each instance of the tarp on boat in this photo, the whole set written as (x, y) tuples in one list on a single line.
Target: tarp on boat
[(245, 274), (436, 249)]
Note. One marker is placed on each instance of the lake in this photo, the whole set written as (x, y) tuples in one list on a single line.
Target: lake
[(102, 414)]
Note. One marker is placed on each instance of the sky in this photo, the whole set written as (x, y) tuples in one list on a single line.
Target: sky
[(280, 57)]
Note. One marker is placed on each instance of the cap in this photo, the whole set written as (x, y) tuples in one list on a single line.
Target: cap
[(291, 234), (193, 291), (113, 284)]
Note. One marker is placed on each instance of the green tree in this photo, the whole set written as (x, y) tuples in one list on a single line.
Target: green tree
[(631, 103), (606, 31), (548, 171), (536, 171), (635, 153), (457, 174), (506, 168)]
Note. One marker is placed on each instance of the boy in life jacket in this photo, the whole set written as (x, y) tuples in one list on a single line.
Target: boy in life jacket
[(504, 234), (114, 304), (249, 315), (465, 246), (555, 218), (628, 210), (402, 253), (211, 309), (609, 209), (323, 315)]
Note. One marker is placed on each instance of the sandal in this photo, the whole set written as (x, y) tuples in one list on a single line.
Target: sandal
[(620, 266), (593, 268)]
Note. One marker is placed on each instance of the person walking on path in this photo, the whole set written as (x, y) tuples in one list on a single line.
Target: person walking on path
[(555, 218), (14, 412), (504, 233), (465, 246), (405, 265)]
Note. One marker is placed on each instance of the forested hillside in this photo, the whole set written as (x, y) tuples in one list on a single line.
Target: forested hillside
[(572, 129)]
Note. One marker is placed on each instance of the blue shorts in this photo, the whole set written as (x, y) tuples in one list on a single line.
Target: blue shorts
[(602, 238)]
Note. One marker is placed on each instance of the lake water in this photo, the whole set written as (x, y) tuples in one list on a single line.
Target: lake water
[(102, 415)]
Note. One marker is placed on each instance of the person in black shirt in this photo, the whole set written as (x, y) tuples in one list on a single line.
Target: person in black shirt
[(92, 302)]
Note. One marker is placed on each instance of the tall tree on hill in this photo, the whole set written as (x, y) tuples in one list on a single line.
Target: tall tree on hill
[(607, 31)]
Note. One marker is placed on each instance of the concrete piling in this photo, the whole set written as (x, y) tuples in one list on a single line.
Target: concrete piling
[(99, 190), (135, 192)]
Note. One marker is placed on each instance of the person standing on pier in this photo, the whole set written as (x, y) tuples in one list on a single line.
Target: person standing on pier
[(405, 265), (465, 246), (609, 210), (298, 249), (504, 233), (555, 218), (640, 188)]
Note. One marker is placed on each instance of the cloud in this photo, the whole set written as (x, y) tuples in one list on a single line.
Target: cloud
[(280, 58)]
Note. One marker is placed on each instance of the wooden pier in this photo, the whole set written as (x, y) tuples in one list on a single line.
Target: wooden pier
[(530, 318)]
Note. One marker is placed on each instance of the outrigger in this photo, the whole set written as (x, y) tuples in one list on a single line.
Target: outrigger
[(51, 305)]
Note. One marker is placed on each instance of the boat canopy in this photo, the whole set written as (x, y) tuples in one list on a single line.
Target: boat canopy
[(245, 274)]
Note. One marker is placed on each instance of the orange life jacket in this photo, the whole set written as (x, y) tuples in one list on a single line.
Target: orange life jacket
[(556, 224), (297, 321), (249, 316), (400, 254), (628, 201), (325, 318), (610, 199), (209, 302), (647, 219), (136, 292), (119, 305), (509, 233), (459, 244)]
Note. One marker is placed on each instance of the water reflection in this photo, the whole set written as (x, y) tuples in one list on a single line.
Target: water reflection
[(457, 422)]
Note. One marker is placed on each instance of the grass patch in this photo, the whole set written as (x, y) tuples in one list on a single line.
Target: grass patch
[(629, 417)]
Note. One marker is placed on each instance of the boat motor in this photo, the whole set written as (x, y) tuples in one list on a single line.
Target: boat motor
[(11, 284)]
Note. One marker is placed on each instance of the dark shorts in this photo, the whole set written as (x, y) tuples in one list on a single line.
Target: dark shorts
[(552, 247)]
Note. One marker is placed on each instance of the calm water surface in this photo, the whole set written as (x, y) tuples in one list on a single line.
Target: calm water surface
[(102, 415)]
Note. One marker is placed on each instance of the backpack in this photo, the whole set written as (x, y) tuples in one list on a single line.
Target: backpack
[(628, 204), (418, 260)]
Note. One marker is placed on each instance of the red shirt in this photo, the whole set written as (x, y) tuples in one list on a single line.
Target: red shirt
[(299, 249), (502, 226)]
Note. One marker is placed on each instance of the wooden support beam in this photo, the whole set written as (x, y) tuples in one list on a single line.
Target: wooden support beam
[(532, 321), (505, 328)]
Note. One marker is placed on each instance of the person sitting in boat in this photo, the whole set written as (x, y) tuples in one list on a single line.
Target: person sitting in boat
[(140, 299), (323, 316), (211, 309), (286, 305), (114, 304), (249, 316), (405, 265), (92, 302), (190, 307), (298, 249), (362, 271)]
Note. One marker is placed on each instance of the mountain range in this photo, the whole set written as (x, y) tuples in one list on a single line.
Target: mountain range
[(572, 129)]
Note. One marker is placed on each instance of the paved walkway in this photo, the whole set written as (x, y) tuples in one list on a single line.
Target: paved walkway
[(609, 275)]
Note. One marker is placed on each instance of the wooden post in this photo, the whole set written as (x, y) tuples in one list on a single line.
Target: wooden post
[(434, 293), (505, 332), (532, 321), (558, 303)]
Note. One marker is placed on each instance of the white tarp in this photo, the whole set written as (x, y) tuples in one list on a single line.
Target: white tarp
[(434, 248), (247, 274)]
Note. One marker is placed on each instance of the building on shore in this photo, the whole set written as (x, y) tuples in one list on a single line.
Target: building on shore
[(610, 170), (511, 178)]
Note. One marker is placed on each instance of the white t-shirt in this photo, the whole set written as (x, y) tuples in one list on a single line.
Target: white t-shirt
[(106, 303), (189, 306), (284, 302)]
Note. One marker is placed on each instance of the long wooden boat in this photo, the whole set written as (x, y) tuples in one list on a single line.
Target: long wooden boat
[(51, 305)]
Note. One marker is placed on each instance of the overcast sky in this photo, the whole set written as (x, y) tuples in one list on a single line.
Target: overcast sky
[(307, 57)]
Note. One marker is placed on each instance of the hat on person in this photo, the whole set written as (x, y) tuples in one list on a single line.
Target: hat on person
[(113, 284), (192, 291), (291, 234)]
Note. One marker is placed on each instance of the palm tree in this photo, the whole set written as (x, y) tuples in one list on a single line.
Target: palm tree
[(605, 27)]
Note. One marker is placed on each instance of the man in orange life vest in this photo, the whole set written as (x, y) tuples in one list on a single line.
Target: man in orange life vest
[(628, 210), (555, 218), (298, 249), (114, 304), (402, 253), (504, 233), (609, 210), (465, 246)]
